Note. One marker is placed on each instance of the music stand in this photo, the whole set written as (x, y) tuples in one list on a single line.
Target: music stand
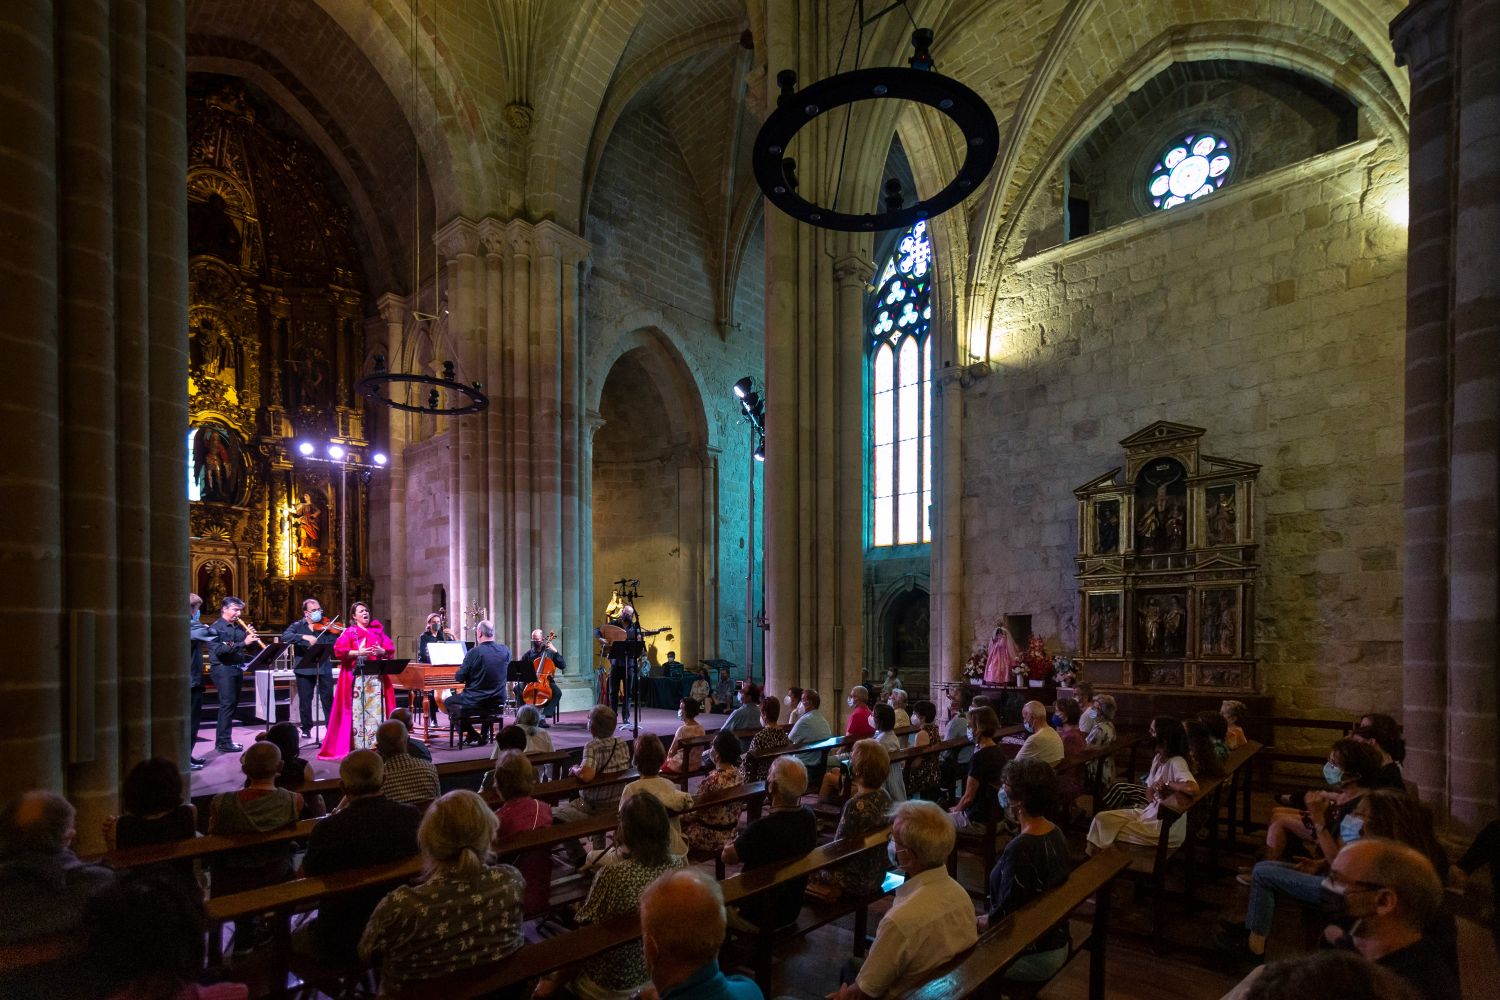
[(630, 651), (266, 660), (520, 672), (315, 656), (375, 668)]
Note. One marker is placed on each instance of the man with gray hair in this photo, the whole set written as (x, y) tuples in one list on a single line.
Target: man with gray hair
[(483, 677), (1042, 741), (45, 885), (366, 829), (682, 930), (932, 919), (407, 778), (789, 831)]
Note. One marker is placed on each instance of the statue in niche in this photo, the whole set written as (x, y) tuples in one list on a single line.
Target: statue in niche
[(1104, 623), (308, 380), (1107, 527), (1219, 613), (1151, 626), (217, 465), (211, 230), (307, 521), (215, 582), (1221, 516), (1174, 627), (1161, 496)]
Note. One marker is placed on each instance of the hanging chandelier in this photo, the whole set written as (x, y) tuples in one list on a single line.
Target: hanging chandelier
[(918, 82)]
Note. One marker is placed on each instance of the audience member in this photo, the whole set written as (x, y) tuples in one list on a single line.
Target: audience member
[(145, 942), (1202, 758), (1328, 819), (1394, 815), (700, 691), (1035, 861), (367, 829), (898, 703), (621, 971), (923, 776), (1169, 774), (1074, 742), (978, 801), (747, 716), (682, 930), (602, 754), (793, 706), (1384, 734), (687, 711), (1218, 729), (1088, 714), (725, 698), (860, 724), (295, 770), (37, 865), (259, 807), (514, 781), (1392, 899), (649, 757), (154, 812), (811, 727), (1042, 741), (788, 831), (867, 810), (931, 920), (407, 778), (708, 830), (1234, 712), (885, 723), (1102, 732), (953, 764), (530, 722), (465, 912), (770, 739), (1320, 976), (414, 746)]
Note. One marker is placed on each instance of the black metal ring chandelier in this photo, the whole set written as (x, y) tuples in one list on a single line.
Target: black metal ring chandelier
[(776, 173), (471, 395)]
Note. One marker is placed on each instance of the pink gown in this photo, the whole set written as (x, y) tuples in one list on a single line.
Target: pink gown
[(997, 665), (341, 719)]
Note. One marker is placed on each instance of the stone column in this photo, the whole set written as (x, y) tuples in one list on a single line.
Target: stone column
[(1474, 469), (94, 503), (396, 596), (947, 640)]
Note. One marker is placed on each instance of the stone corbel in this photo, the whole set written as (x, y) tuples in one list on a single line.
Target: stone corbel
[(963, 375), (552, 240), (457, 239), (852, 269)]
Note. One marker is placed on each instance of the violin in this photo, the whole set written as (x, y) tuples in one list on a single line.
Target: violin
[(539, 693), (332, 628)]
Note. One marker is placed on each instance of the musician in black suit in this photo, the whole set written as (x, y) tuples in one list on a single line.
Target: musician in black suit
[(483, 677), (622, 669), (314, 677), (540, 645), (226, 642), (198, 636)]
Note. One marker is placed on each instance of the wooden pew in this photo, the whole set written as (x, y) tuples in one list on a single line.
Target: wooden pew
[(1149, 864), (449, 769), (201, 847), (1002, 944)]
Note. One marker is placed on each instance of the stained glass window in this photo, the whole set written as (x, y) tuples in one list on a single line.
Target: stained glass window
[(900, 355), (1195, 165)]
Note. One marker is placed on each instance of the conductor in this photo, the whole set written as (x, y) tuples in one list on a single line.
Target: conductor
[(483, 676)]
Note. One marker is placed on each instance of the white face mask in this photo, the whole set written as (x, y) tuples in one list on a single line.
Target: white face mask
[(851, 702), (679, 715)]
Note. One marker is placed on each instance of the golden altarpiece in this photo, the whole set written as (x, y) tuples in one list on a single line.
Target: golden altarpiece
[(1166, 567), (276, 335)]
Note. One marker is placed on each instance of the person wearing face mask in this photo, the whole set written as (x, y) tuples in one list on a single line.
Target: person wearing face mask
[(314, 672), (541, 646), (747, 716), (1347, 772), (792, 705), (931, 919), (687, 712), (861, 725), (1088, 715), (1390, 900), (1169, 775), (1042, 741), (985, 767), (198, 636), (1035, 861), (811, 727)]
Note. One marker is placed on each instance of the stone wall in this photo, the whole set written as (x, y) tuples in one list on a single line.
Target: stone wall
[(1270, 314), (427, 551)]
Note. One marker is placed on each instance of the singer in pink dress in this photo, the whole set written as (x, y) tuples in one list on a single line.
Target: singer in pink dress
[(360, 704), (1002, 657)]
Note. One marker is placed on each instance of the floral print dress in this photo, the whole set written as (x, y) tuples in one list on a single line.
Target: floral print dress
[(617, 889), (708, 830), (863, 813), (922, 777)]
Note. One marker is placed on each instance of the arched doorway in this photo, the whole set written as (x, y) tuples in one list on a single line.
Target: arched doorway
[(654, 500), (904, 641)]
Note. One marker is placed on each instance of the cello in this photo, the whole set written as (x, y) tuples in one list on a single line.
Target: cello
[(540, 691)]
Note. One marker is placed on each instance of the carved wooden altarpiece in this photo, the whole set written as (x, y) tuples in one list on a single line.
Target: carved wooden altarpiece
[(1166, 567)]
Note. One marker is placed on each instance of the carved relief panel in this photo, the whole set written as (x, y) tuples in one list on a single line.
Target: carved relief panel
[(1166, 566)]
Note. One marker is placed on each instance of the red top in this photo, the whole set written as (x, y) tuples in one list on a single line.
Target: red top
[(522, 816), (861, 725)]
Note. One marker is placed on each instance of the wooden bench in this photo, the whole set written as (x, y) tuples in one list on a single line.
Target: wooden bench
[(449, 769), (1007, 941)]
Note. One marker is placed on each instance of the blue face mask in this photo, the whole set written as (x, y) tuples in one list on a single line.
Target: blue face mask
[(1332, 773), (1055, 720), (1351, 828), (1027, 726), (1004, 800), (197, 614), (316, 616)]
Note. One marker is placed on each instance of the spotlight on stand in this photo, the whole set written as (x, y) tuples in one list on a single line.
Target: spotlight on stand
[(305, 448), (743, 386), (336, 452), (378, 458), (760, 451)]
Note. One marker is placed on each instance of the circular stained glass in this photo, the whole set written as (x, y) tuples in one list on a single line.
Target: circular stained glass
[(1194, 165)]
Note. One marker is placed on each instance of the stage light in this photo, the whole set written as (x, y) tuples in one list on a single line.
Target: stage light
[(379, 458), (743, 386), (305, 448), (336, 452), (760, 452)]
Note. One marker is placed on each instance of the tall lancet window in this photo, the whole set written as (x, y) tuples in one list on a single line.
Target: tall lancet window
[(900, 357)]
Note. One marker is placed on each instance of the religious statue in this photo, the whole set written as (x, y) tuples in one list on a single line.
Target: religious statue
[(1176, 526), (1107, 527), (215, 466), (1151, 626), (307, 519), (212, 231), (1221, 520), (1001, 659), (1174, 623)]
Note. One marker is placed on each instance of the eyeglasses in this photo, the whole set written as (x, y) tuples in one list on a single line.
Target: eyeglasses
[(1337, 879)]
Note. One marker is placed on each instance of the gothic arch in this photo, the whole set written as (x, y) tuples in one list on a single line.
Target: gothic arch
[(648, 330)]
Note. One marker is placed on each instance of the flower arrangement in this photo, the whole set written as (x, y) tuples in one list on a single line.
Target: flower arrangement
[(1065, 672), (974, 666), (1034, 663)]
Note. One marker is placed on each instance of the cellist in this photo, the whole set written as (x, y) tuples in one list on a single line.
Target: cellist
[(543, 657)]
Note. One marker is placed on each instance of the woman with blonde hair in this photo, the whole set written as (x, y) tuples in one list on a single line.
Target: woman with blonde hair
[(867, 810), (465, 912)]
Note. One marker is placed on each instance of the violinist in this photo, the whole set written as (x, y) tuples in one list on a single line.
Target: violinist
[(313, 667), (541, 650)]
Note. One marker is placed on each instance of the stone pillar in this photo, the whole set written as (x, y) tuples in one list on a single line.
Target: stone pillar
[(95, 414), (1474, 470), (396, 595), (946, 633), (1452, 473)]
